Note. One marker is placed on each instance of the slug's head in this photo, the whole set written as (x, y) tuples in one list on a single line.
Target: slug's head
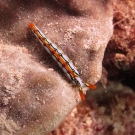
[(31, 25)]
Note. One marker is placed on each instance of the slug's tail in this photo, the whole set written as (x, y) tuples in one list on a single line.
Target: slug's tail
[(82, 95), (90, 86)]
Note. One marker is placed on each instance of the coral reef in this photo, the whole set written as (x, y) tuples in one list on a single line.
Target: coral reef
[(106, 113), (35, 98), (119, 55), (29, 94), (111, 109)]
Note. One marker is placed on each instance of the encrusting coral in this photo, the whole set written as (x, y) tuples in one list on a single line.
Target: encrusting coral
[(106, 112), (110, 110), (119, 56), (33, 96)]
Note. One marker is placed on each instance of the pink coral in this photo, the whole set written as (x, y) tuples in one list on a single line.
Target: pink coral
[(31, 92), (32, 96), (119, 56), (106, 113)]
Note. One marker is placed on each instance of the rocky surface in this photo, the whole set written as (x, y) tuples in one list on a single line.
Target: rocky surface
[(110, 110), (35, 96)]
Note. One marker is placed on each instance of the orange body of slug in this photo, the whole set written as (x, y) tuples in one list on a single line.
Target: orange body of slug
[(62, 59)]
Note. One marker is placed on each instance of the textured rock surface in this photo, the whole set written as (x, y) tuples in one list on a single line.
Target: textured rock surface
[(119, 59), (111, 111), (35, 100), (108, 112), (31, 95)]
